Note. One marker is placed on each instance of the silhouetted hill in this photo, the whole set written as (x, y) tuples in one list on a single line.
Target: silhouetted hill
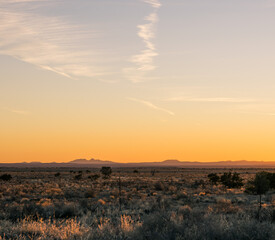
[(172, 161), (96, 163), (91, 161)]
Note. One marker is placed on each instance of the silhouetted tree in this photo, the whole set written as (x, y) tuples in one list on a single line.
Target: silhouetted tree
[(259, 185), (271, 177)]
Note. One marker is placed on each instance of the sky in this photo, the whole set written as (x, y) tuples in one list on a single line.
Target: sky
[(137, 80)]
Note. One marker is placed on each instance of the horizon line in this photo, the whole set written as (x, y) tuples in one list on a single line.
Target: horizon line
[(135, 162)]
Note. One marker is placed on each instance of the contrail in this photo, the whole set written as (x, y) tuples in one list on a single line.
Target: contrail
[(144, 61), (151, 105)]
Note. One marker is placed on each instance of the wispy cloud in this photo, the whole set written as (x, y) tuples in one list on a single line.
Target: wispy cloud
[(144, 61), (153, 3), (224, 100), (51, 43), (21, 112), (151, 105)]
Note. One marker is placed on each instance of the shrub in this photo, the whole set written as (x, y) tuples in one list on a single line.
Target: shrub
[(6, 177), (90, 194), (224, 205), (259, 185), (198, 183), (94, 177), (78, 176), (57, 174), (184, 210), (159, 186), (67, 210), (232, 180), (271, 178), (213, 178), (106, 171)]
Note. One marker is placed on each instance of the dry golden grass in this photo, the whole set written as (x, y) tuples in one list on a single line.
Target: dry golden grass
[(38, 205)]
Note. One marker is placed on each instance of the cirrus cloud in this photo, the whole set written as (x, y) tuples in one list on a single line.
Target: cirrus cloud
[(144, 61), (49, 42)]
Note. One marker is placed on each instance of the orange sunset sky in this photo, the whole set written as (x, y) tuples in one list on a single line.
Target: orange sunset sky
[(137, 80)]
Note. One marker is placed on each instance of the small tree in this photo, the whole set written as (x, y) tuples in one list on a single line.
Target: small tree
[(213, 178), (259, 185), (106, 171), (271, 178)]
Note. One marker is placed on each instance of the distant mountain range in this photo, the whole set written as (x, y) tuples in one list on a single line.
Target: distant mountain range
[(96, 163)]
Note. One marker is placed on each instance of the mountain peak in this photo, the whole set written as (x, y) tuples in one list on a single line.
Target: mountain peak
[(171, 161), (91, 161)]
